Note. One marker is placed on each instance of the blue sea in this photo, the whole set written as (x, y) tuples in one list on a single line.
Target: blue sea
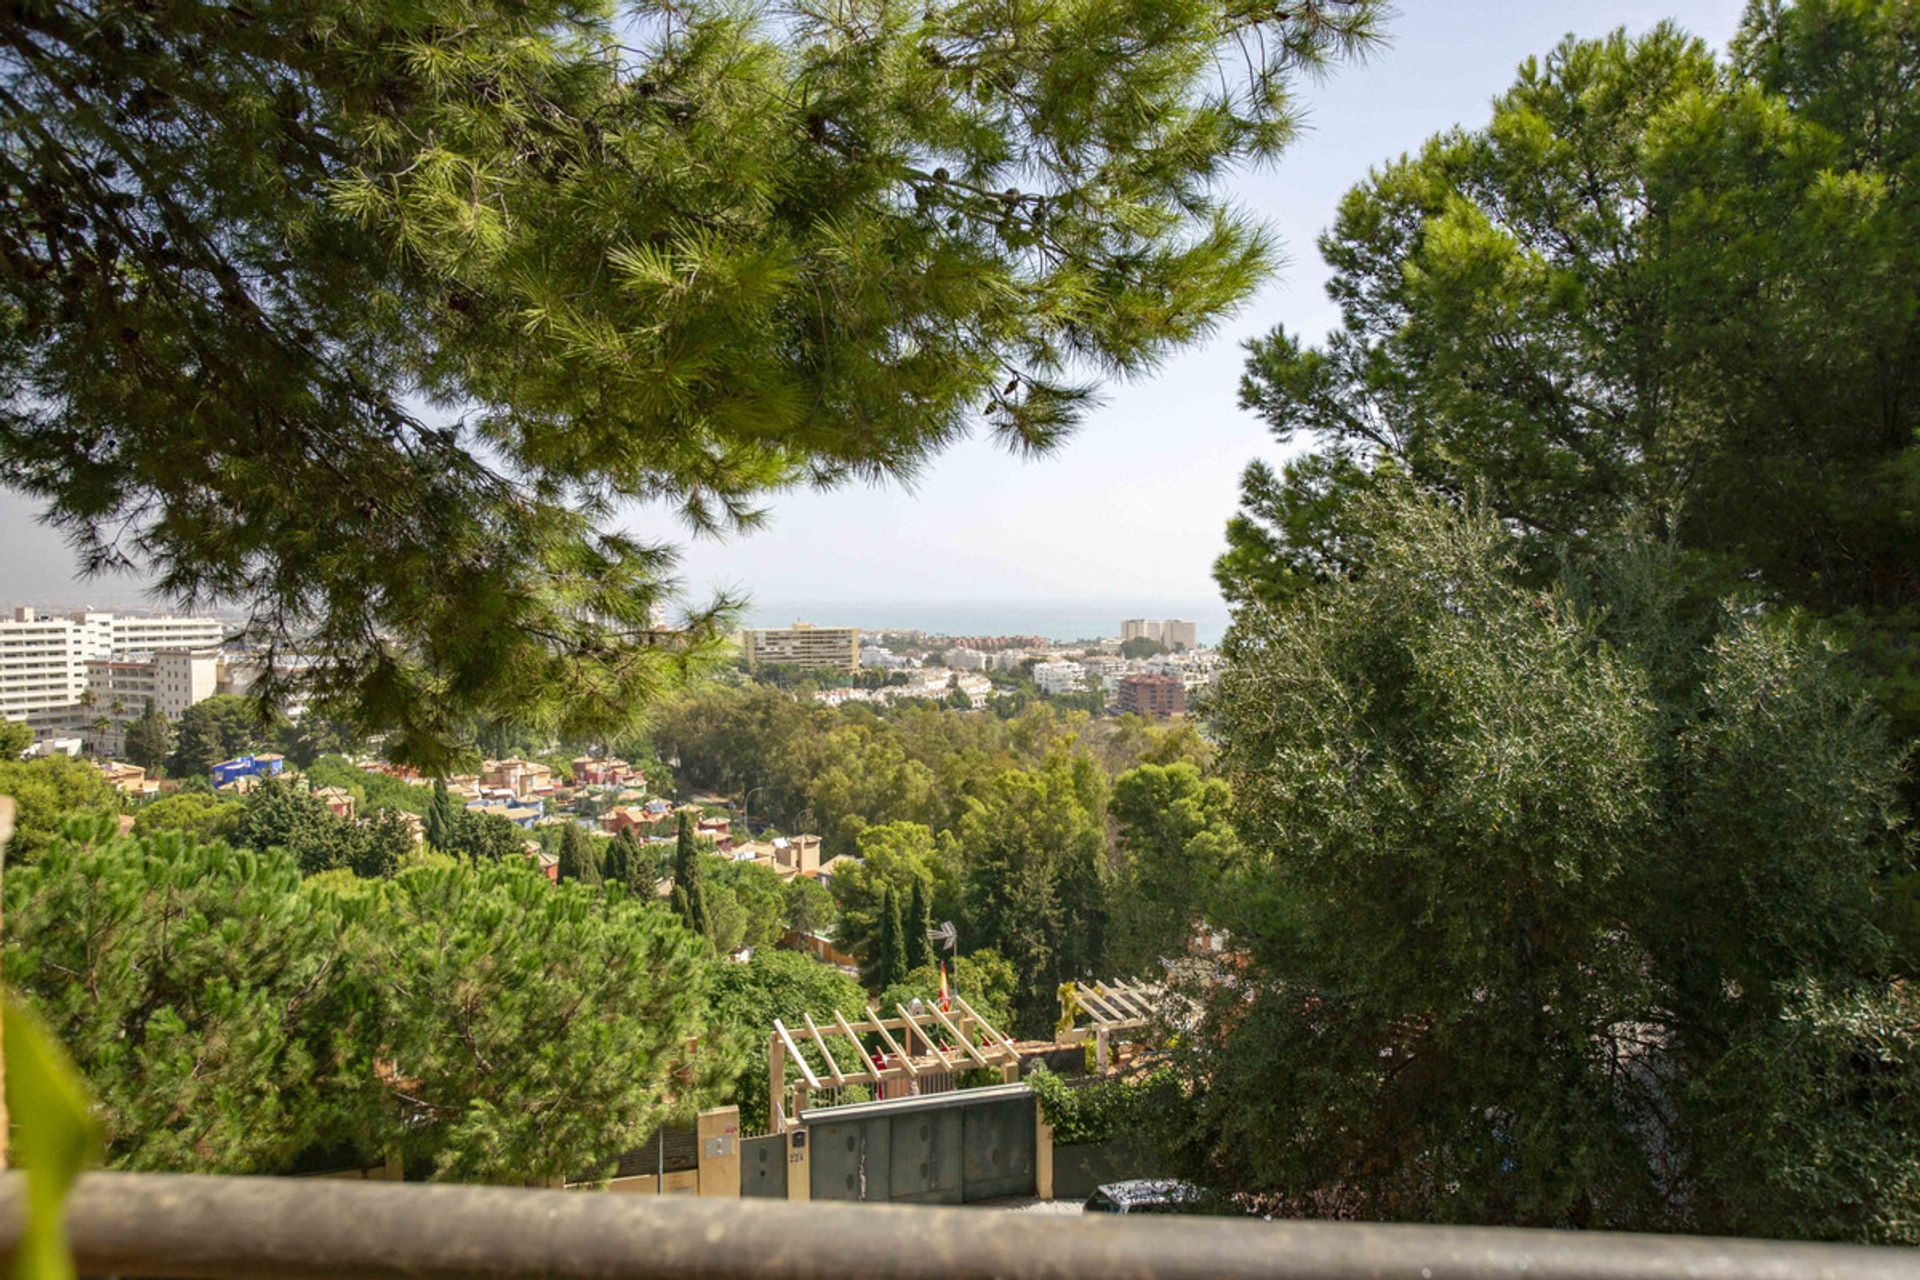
[(1062, 620)]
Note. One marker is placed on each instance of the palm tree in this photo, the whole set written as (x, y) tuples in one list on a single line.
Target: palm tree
[(99, 726)]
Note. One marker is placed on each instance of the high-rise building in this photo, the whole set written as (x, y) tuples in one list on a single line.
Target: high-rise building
[(803, 645), (42, 665), (44, 659), (1174, 633)]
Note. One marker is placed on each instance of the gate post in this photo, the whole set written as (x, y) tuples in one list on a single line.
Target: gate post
[(718, 1132), (1042, 1152)]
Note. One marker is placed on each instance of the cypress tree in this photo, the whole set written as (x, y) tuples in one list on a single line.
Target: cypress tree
[(439, 816), (637, 865), (576, 856), (613, 869), (919, 922), (689, 900), (888, 963)]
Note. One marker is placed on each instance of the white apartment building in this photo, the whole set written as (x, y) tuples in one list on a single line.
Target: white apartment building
[(42, 666), (173, 679), (1059, 677), (150, 635), (875, 658), (44, 659), (118, 689), (965, 659)]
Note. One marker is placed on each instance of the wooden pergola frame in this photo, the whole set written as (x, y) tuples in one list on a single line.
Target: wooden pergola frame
[(972, 1042), (1113, 1010)]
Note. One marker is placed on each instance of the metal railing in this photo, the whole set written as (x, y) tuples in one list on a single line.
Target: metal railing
[(168, 1226)]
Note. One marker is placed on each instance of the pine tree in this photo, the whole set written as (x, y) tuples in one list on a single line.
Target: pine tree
[(689, 898), (439, 827), (1032, 191), (919, 923)]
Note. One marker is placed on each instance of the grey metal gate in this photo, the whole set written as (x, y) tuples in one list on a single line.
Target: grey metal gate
[(763, 1166), (998, 1152), (926, 1156), (852, 1159), (949, 1148)]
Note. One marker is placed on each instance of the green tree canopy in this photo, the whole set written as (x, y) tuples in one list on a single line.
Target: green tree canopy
[(983, 979), (149, 739), (15, 738), (1176, 842), (1652, 290), (202, 816), (45, 793), (773, 984), (526, 1031), (689, 255), (810, 909), (1036, 881), (195, 987), (893, 857), (762, 896), (218, 728), (1563, 900), (485, 837)]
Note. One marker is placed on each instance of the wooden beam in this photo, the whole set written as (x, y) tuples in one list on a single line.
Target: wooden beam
[(799, 1059), (992, 1031), (873, 1068), (932, 1048), (776, 1085), (1099, 1009), (979, 1059), (1120, 1000), (893, 1046), (820, 1042)]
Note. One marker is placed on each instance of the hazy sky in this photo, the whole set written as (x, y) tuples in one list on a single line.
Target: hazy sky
[(1130, 510)]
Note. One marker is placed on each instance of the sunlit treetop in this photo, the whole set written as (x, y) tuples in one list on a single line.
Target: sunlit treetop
[(372, 311)]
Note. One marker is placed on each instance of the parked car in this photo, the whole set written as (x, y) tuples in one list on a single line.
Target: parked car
[(1150, 1195)]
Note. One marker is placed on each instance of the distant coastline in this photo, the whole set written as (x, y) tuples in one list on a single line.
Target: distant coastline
[(1062, 620)]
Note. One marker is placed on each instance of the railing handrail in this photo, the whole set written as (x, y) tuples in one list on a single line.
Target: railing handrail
[(215, 1228)]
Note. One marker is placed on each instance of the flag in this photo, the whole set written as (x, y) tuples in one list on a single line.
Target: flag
[(946, 1001)]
